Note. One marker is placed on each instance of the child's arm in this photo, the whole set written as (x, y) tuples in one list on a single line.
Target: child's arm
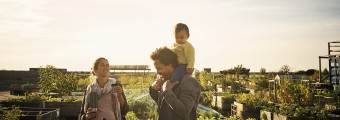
[(190, 55)]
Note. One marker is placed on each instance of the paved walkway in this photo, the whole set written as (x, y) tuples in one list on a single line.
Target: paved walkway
[(4, 95)]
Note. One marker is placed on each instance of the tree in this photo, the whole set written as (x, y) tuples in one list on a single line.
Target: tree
[(301, 72), (263, 71), (47, 77), (67, 83), (53, 80), (238, 69), (310, 72), (315, 76), (205, 77), (285, 69)]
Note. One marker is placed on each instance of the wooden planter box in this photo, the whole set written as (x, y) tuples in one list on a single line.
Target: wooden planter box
[(265, 115), (283, 117), (24, 104), (142, 118), (37, 113), (245, 112), (333, 117), (67, 109)]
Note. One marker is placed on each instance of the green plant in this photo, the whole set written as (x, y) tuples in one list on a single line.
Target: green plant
[(54, 100), (207, 115), (206, 98), (82, 83), (131, 116), (234, 117), (309, 112), (136, 81), (32, 97), (141, 109), (204, 78), (292, 93), (12, 114), (286, 109), (53, 80), (250, 101)]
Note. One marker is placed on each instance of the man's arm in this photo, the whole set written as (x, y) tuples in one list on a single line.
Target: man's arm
[(154, 88), (153, 93), (189, 93)]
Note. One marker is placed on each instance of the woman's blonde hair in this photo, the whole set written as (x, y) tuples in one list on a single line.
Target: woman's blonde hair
[(95, 65)]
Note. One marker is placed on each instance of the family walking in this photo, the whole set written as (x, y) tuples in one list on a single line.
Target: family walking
[(175, 91)]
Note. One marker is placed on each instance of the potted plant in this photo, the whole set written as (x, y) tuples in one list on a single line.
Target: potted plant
[(248, 106)]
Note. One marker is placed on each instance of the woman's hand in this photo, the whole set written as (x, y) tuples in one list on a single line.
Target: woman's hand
[(118, 90), (91, 113)]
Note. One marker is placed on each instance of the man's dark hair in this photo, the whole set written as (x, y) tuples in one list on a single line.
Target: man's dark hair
[(165, 56), (181, 26)]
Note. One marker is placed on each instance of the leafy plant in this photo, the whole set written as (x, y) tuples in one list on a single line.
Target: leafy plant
[(234, 117), (291, 93), (250, 101), (207, 115), (72, 99), (12, 114), (53, 80), (32, 97), (141, 109), (131, 116), (136, 82), (82, 83), (54, 100), (206, 98)]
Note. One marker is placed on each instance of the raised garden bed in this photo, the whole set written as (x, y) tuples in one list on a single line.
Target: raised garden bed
[(67, 109), (36, 113), (23, 104)]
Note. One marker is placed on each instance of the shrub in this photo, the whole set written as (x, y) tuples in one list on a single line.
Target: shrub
[(250, 101), (131, 116), (141, 109), (53, 80), (207, 115), (32, 97), (12, 114)]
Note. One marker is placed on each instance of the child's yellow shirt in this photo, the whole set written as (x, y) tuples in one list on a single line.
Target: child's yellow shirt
[(185, 54)]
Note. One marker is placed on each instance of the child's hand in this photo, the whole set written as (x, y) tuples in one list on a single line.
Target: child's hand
[(189, 71)]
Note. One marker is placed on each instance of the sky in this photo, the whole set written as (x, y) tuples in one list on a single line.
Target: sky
[(225, 33)]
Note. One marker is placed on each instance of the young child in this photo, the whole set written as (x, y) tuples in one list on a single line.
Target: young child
[(185, 52)]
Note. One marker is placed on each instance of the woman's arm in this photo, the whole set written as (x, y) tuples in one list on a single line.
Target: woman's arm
[(121, 98), (82, 114), (124, 107)]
